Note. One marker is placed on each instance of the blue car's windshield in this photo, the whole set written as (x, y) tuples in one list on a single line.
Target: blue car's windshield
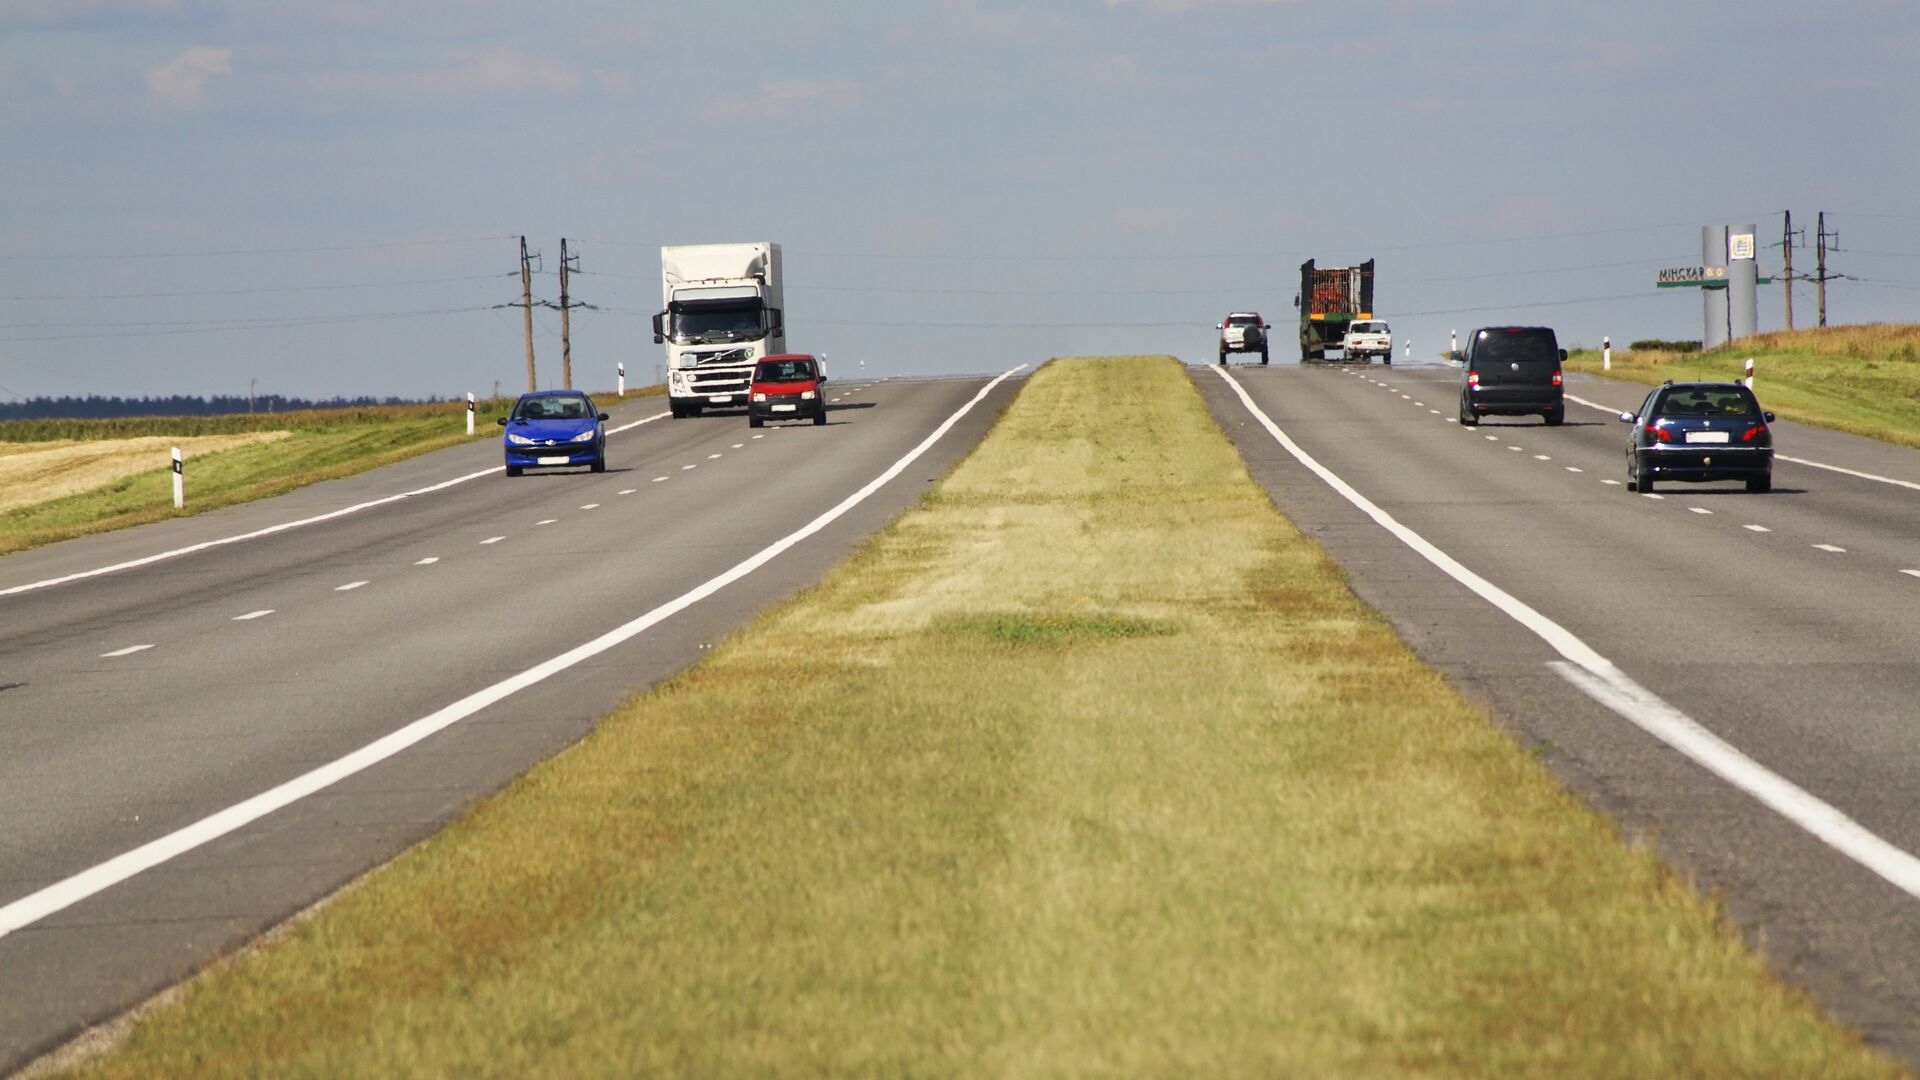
[(553, 408)]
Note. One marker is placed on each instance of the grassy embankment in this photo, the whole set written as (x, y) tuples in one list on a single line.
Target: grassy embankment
[(271, 454), (1862, 379), (1091, 763)]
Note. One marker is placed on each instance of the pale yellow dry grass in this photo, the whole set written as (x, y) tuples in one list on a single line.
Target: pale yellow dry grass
[(42, 472)]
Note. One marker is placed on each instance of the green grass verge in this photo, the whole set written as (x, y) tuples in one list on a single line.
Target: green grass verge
[(1089, 764), (326, 444), (1861, 379)]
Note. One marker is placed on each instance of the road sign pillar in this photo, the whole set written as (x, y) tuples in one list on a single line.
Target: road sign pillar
[(1713, 302), (1743, 279)]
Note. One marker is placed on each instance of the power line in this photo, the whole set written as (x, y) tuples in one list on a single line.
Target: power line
[(259, 291), (284, 323), (255, 251)]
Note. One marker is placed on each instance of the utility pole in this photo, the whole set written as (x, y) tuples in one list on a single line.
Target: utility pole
[(1786, 255), (1821, 266), (569, 263), (566, 341), (526, 310)]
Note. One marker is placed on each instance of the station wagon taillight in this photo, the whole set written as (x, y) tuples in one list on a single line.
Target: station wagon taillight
[(1755, 434), (1658, 434)]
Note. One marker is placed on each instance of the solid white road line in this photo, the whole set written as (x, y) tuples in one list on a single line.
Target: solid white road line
[(63, 894), (282, 527), (1909, 573), (1599, 679), (349, 586), (128, 651), (251, 615)]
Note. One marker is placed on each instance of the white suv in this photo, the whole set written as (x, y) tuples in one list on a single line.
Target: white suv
[(1367, 338), (1242, 331)]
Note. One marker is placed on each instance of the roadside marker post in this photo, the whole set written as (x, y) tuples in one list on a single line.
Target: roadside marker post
[(1606, 354), (179, 481), (1453, 343), (470, 414), (1749, 379), (1407, 353), (623, 380)]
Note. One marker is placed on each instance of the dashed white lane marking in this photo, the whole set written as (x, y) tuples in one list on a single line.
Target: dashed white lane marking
[(711, 457), (428, 561), (1597, 677), (1909, 573), (1406, 397), (738, 446), (1450, 419), (349, 586), (546, 521), (1513, 448), (1611, 483), (491, 470), (1419, 404), (684, 468), (128, 651), (1493, 438), (1575, 468), (261, 614), (658, 479), (759, 436), (492, 540), (591, 506), (1756, 528), (1699, 509), (1651, 495), (67, 892), (627, 491), (1541, 457), (1830, 547)]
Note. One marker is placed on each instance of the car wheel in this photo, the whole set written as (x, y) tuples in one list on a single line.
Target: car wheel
[(820, 417), (1263, 356), (599, 464), (678, 410), (1387, 359), (513, 470), (1761, 483), (1467, 419), (754, 421), (1557, 415), (1223, 358), (1645, 487)]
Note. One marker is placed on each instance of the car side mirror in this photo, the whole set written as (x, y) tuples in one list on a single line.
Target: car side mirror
[(1563, 356), (603, 416), (502, 421), (1626, 418), (1219, 326), (1767, 416)]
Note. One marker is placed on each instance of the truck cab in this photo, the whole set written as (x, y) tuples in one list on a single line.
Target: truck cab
[(789, 386), (722, 313)]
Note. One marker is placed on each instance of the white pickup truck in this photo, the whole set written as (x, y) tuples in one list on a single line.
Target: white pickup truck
[(1367, 338)]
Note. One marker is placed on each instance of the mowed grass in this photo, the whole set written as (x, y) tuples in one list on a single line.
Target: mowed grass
[(271, 455), (1089, 764), (1861, 379)]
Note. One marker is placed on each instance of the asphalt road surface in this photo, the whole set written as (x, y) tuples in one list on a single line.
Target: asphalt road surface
[(1787, 624), (139, 702)]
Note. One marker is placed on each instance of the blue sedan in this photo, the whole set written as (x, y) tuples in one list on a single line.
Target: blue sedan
[(555, 428)]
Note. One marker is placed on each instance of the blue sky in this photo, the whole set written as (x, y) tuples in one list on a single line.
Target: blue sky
[(321, 198)]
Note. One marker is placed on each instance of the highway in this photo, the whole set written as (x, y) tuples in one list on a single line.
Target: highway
[(157, 697), (1787, 625)]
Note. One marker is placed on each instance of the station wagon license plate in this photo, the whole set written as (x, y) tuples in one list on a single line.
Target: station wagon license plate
[(783, 408), (1706, 436), (561, 460)]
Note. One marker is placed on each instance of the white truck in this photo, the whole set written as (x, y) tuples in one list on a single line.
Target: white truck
[(723, 311)]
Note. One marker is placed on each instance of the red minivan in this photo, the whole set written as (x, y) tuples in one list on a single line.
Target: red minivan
[(787, 387)]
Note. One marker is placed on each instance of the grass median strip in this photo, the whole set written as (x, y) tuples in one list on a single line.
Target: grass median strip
[(1089, 764)]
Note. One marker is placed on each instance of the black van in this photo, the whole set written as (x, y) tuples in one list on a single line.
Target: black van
[(1512, 371)]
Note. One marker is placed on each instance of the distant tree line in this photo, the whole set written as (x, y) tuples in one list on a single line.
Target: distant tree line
[(1660, 345), (94, 407)]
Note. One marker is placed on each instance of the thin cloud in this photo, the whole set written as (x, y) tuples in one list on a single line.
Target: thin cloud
[(488, 71), (182, 81), (788, 97)]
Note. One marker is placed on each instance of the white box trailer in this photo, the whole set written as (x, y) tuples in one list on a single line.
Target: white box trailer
[(722, 310)]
